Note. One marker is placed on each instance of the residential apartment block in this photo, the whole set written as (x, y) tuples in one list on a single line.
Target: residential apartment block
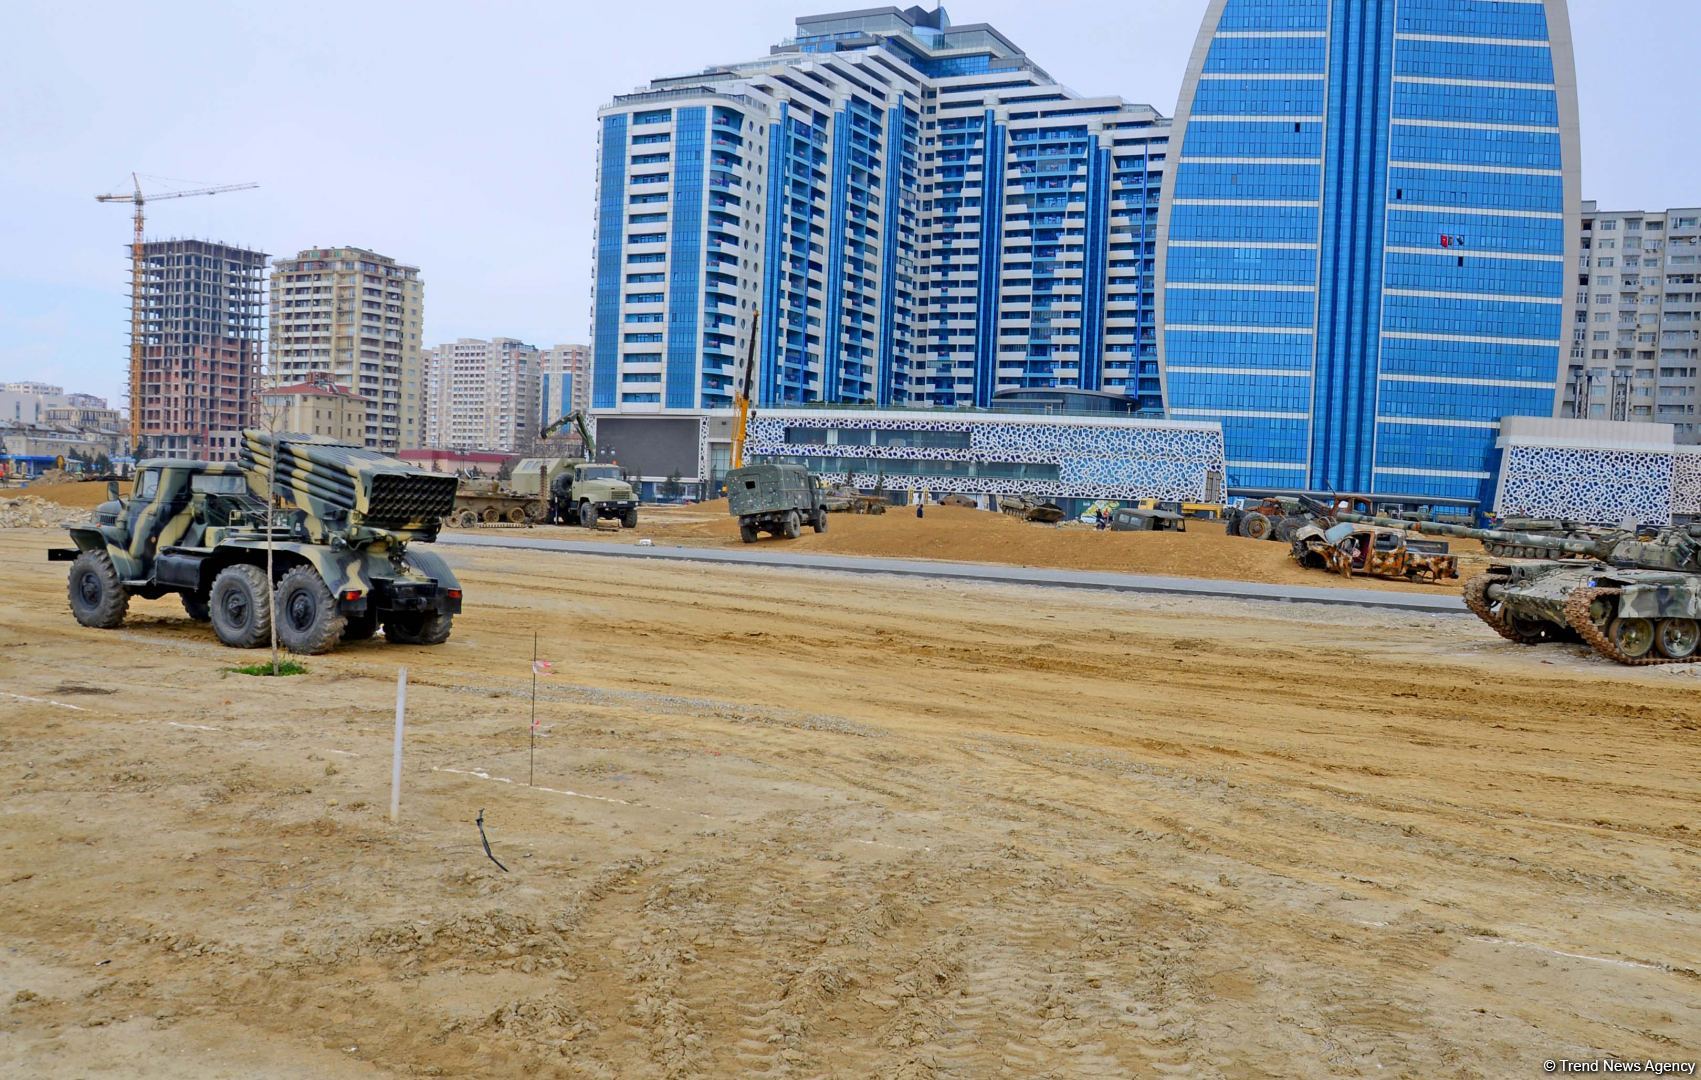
[(922, 215), (202, 307), (481, 395), (565, 381), (1365, 242), (1636, 345), (353, 316)]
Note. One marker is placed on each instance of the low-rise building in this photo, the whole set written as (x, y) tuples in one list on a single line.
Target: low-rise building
[(316, 407)]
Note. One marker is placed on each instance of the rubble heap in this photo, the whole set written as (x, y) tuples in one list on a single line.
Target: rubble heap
[(30, 512)]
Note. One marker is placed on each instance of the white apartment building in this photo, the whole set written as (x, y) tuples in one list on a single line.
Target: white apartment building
[(1636, 345), (481, 395), (354, 317)]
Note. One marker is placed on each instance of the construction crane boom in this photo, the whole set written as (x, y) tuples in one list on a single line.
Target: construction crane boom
[(138, 199), (741, 399)]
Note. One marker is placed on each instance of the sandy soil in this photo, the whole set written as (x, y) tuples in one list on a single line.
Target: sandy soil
[(795, 824)]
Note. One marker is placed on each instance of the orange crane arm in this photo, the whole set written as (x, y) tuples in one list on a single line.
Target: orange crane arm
[(741, 399)]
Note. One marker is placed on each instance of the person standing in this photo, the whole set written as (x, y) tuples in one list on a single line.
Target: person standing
[(920, 500)]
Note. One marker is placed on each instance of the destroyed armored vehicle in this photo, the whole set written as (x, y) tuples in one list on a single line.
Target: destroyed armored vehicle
[(1029, 508), (1631, 599), (1347, 549)]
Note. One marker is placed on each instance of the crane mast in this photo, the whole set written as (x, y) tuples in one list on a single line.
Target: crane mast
[(138, 199), (741, 400)]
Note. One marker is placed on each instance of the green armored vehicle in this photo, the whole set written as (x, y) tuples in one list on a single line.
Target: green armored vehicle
[(342, 528), (776, 499), (1633, 600)]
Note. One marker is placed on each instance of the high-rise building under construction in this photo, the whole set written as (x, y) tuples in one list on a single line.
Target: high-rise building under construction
[(202, 305)]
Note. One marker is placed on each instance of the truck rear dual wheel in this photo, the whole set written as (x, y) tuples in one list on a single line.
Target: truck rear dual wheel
[(237, 604), (747, 533), (97, 595), (308, 619), (418, 628)]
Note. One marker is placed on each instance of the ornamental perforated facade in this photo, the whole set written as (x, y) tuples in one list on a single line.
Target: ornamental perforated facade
[(1607, 487), (997, 454)]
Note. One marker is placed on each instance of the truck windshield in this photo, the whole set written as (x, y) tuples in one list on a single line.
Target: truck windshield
[(599, 472), (225, 484)]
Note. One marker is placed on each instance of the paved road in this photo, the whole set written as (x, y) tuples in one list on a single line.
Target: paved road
[(767, 555)]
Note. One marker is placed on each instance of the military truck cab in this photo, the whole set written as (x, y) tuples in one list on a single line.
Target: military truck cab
[(776, 499), (585, 493)]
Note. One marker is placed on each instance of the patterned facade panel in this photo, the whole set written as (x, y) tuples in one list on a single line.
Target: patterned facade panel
[(1092, 461), (1686, 480), (1606, 487)]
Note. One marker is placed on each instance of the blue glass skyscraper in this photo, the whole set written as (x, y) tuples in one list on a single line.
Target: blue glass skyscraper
[(1364, 247)]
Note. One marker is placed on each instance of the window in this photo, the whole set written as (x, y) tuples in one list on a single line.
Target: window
[(147, 485)]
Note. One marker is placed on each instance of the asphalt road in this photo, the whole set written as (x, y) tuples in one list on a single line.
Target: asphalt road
[(765, 555)]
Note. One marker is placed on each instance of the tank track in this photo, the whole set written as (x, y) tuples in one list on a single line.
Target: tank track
[(1577, 613), (1476, 598)]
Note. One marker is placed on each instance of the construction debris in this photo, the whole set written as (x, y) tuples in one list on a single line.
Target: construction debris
[(30, 512)]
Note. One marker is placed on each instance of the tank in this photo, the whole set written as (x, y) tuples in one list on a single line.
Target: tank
[(1031, 509), (1635, 599), (1558, 527)]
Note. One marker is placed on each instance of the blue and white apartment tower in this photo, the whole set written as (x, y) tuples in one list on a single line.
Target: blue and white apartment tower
[(1365, 244), (922, 214)]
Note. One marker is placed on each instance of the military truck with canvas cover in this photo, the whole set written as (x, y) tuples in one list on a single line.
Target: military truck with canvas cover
[(577, 492), (777, 499), (344, 527)]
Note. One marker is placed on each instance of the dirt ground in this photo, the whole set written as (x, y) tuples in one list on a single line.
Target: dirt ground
[(809, 824)]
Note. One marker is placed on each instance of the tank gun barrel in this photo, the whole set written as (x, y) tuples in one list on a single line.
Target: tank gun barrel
[(1558, 544)]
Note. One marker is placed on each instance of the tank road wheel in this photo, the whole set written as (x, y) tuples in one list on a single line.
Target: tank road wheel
[(1494, 613), (793, 525), (359, 627), (820, 522), (466, 519), (97, 596), (238, 607), (196, 608), (587, 515), (747, 533), (1676, 639), (1255, 526), (418, 628), (1633, 637), (490, 515), (516, 515), (629, 520), (308, 619)]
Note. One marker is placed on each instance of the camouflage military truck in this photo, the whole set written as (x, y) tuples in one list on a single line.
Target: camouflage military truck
[(777, 499), (343, 529)]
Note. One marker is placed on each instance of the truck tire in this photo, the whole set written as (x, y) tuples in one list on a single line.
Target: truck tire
[(747, 532), (629, 520), (1255, 526), (308, 620), (359, 627), (793, 525), (587, 515), (418, 628), (1289, 525), (97, 596), (820, 522), (237, 602), (196, 607)]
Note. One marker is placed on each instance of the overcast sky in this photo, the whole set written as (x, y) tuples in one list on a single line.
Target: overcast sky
[(460, 137)]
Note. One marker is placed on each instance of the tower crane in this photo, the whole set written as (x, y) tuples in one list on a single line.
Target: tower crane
[(138, 199)]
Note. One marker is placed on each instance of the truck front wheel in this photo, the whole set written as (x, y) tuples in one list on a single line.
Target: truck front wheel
[(308, 619), (587, 515), (629, 520), (820, 522), (237, 603), (97, 596), (417, 628)]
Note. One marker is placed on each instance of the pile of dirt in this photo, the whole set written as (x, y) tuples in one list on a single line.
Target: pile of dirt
[(29, 512), (82, 494), (960, 534)]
